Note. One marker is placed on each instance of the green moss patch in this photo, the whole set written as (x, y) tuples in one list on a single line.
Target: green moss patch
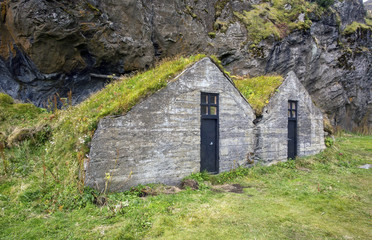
[(258, 90), (274, 19), (354, 26)]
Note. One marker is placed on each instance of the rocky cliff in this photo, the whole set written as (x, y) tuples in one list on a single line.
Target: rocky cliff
[(50, 46)]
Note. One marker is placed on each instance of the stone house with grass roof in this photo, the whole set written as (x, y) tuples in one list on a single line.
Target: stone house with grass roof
[(198, 122), (291, 125)]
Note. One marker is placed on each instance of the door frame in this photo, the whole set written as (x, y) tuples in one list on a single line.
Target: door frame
[(203, 116)]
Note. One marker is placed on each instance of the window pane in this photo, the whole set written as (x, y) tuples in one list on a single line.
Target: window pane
[(214, 99), (293, 114), (289, 114), (213, 110), (293, 105), (289, 105), (204, 98), (204, 110)]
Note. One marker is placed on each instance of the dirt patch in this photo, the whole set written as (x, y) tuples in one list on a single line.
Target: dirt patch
[(148, 191), (234, 188), (190, 183)]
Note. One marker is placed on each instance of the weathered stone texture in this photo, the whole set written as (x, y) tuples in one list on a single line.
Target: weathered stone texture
[(159, 139), (272, 130)]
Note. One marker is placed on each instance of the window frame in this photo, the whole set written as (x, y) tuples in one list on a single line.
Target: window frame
[(209, 104), (291, 110)]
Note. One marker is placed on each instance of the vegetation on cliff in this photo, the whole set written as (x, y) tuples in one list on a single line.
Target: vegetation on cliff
[(277, 18), (354, 26)]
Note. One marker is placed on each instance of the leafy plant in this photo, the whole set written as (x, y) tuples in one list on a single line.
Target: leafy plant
[(328, 141)]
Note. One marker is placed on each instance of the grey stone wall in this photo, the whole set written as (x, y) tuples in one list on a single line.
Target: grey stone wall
[(272, 130), (158, 141)]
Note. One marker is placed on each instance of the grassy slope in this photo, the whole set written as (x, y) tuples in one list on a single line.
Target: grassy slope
[(321, 197)]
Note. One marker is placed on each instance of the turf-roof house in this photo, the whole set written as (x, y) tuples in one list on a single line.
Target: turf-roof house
[(200, 121), (291, 124)]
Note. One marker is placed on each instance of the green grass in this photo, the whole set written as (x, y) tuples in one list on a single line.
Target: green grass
[(18, 114), (258, 90), (320, 197)]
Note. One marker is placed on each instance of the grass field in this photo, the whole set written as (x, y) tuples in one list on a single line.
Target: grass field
[(320, 197)]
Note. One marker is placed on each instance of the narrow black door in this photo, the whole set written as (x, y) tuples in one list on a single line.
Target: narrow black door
[(209, 133), (209, 145), (292, 129)]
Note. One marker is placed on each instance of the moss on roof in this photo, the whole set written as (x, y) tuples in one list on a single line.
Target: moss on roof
[(258, 90)]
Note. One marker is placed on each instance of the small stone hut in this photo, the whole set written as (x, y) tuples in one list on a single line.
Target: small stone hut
[(291, 124), (200, 121)]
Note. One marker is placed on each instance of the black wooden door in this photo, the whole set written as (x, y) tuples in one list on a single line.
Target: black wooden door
[(292, 148), (209, 145), (209, 133), (292, 129)]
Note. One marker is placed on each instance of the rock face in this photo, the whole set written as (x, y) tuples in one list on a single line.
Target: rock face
[(159, 140), (272, 131), (50, 47)]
